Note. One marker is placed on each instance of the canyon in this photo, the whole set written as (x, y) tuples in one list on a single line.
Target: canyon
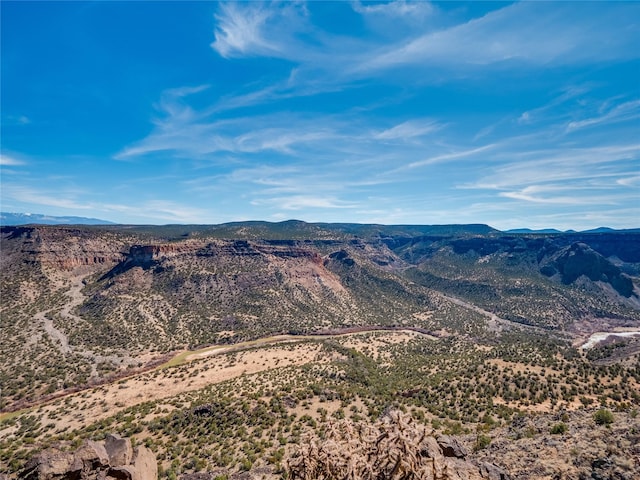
[(133, 328)]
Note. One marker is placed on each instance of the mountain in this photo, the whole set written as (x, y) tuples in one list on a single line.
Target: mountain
[(610, 230), (7, 218), (528, 230)]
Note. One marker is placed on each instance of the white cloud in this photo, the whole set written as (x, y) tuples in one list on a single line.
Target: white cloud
[(257, 29), (186, 133), (630, 181), (185, 91), (163, 210), (447, 157), (240, 30), (398, 8), (527, 32), (409, 129), (77, 202), (301, 202), (620, 113), (548, 194), (10, 161), (516, 165), (58, 199)]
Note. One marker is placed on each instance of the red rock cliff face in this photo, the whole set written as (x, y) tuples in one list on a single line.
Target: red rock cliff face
[(64, 248), (143, 254), (69, 249)]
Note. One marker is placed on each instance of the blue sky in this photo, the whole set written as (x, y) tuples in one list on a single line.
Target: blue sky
[(510, 114)]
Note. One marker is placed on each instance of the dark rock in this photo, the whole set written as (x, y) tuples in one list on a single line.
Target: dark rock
[(601, 463), (203, 410), (197, 476), (493, 472), (451, 447), (289, 401)]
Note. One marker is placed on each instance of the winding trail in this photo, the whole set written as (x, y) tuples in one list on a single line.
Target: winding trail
[(496, 323), (61, 340), (191, 355), (58, 337)]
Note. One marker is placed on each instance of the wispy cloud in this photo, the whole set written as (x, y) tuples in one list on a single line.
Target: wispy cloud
[(15, 120), (32, 196), (399, 8), (258, 29), (448, 157), (512, 37), (6, 160), (73, 201), (302, 202), (541, 113), (241, 31), (409, 130), (620, 113), (529, 166), (160, 210), (553, 195), (525, 32)]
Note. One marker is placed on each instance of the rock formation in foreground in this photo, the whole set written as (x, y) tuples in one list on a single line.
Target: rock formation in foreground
[(113, 458), (395, 448)]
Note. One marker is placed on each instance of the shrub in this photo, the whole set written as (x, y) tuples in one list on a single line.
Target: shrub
[(603, 417), (482, 441), (559, 428)]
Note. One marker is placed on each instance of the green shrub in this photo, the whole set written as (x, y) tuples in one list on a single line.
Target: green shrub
[(482, 441), (603, 417), (559, 428)]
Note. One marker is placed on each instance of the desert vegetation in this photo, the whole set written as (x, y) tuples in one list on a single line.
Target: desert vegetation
[(492, 358)]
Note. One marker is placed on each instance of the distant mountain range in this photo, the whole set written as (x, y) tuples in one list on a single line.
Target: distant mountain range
[(7, 218), (553, 230)]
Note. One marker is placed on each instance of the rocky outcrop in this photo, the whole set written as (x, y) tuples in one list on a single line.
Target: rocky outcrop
[(580, 259), (451, 447), (114, 458), (65, 248), (395, 448)]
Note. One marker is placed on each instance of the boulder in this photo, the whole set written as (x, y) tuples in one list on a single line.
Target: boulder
[(50, 463), (451, 447), (119, 450), (492, 472), (111, 459), (91, 456), (145, 465)]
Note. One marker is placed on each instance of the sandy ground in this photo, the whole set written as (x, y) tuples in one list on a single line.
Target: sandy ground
[(195, 370), (92, 405)]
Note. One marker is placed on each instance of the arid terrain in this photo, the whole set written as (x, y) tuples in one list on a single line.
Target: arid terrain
[(226, 350)]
